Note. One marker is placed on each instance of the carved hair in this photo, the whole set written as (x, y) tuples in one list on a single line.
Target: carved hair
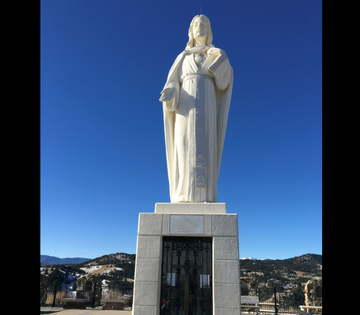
[(209, 38)]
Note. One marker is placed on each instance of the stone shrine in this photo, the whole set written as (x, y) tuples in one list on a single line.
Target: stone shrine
[(187, 256)]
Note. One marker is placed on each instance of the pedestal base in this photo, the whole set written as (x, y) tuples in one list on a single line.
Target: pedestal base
[(188, 220), (191, 208)]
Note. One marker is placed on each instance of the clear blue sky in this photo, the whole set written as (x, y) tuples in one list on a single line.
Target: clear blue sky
[(103, 65)]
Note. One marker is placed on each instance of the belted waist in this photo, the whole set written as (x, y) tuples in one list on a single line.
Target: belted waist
[(191, 76)]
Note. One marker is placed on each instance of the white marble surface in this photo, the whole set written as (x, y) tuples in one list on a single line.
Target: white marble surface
[(191, 208), (147, 272), (196, 101), (226, 275), (223, 228), (187, 225), (213, 224)]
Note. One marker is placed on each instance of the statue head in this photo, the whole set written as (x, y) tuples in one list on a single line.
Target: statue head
[(200, 26)]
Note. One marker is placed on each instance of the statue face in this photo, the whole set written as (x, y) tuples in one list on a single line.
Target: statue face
[(200, 28)]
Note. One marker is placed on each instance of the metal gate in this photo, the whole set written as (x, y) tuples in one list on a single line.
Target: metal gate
[(186, 286)]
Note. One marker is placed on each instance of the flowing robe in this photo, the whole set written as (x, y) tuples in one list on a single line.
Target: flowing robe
[(195, 123)]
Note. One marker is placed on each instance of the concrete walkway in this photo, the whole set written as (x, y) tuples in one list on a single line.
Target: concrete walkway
[(88, 311)]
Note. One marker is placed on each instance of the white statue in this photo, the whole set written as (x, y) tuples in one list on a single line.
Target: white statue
[(196, 100)]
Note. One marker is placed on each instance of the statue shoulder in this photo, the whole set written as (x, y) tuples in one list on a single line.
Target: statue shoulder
[(218, 48), (179, 56), (216, 51)]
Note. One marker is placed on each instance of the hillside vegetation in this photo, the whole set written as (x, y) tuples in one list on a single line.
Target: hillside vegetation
[(288, 276), (308, 264)]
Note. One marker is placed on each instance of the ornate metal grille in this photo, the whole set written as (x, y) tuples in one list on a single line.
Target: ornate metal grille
[(186, 276)]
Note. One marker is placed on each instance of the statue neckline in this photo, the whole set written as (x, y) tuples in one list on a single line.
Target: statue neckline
[(198, 49)]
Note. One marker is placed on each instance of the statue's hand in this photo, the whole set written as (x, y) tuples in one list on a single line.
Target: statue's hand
[(167, 95)]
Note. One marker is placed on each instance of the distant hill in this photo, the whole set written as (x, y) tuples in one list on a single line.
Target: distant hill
[(252, 258), (123, 261), (309, 263), (288, 275), (46, 259), (117, 258)]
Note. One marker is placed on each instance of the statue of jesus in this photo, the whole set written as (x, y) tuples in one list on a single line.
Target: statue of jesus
[(196, 100)]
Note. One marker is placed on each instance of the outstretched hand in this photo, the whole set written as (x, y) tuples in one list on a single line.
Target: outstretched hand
[(167, 95)]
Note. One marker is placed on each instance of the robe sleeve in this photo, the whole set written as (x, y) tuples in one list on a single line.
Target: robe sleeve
[(172, 105), (173, 82), (222, 72)]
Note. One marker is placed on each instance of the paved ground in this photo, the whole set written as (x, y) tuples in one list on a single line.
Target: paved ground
[(88, 311)]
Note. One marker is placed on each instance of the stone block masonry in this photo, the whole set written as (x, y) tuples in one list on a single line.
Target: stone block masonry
[(188, 220)]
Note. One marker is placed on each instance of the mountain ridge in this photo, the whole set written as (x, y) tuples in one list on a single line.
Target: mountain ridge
[(47, 259), (53, 260), (305, 264)]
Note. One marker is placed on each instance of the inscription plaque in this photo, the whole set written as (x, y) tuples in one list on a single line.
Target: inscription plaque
[(187, 224)]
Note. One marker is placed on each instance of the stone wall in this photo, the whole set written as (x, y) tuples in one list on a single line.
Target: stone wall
[(313, 292), (85, 288)]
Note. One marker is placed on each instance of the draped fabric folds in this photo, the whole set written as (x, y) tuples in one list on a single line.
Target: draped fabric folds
[(195, 123)]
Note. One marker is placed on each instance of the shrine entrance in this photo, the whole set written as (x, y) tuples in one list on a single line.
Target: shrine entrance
[(186, 286)]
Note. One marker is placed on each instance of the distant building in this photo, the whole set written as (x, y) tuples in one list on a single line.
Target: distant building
[(86, 285), (313, 292)]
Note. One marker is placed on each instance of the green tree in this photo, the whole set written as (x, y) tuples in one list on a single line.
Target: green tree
[(43, 287), (56, 279), (74, 287), (298, 296)]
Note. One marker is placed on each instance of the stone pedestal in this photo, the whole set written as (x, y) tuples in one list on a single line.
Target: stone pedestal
[(190, 220)]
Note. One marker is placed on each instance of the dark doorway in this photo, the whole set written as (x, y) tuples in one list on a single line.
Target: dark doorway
[(186, 286)]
